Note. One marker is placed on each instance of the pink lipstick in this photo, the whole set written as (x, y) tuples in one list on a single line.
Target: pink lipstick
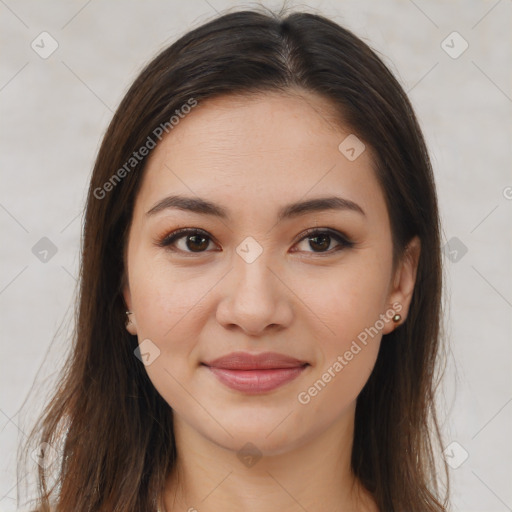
[(256, 373)]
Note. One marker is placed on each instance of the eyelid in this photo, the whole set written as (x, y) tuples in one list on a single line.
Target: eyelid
[(340, 237), (169, 238)]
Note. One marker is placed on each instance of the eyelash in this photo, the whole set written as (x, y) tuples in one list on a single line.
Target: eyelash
[(343, 241)]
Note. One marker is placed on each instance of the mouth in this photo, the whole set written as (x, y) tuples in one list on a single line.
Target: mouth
[(255, 373)]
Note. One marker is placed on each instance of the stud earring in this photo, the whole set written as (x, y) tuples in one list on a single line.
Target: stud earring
[(397, 318), (128, 313)]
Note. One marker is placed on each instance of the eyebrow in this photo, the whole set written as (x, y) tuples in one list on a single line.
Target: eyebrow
[(204, 207)]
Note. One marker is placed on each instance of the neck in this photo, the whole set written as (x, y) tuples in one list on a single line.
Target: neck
[(314, 475)]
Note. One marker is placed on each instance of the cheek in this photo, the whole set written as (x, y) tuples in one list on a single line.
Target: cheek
[(346, 300), (169, 306), (334, 389), (351, 307), (348, 305), (169, 314), (165, 298)]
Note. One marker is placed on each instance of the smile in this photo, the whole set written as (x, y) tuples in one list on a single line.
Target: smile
[(256, 373)]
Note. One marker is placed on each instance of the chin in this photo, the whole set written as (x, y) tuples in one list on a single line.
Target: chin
[(271, 433)]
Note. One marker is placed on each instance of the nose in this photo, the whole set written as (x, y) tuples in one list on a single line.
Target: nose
[(255, 298)]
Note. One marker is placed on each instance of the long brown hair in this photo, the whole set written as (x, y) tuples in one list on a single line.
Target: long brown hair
[(113, 431)]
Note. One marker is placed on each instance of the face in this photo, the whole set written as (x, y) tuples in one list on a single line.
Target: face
[(302, 295)]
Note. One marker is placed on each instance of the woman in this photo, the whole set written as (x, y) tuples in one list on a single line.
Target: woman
[(259, 315)]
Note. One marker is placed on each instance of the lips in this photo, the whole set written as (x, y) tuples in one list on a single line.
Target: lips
[(263, 361), (256, 373)]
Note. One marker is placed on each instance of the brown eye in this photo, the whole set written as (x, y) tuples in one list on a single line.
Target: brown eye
[(320, 241), (188, 240), (191, 240), (196, 242)]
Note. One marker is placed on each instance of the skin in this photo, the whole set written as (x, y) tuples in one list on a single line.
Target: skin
[(252, 156)]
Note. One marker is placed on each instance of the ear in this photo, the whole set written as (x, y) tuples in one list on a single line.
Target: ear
[(404, 279), (131, 323)]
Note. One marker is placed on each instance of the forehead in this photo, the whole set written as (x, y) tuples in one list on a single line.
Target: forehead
[(251, 151), (262, 126)]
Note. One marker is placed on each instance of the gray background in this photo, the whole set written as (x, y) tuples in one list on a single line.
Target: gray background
[(56, 109)]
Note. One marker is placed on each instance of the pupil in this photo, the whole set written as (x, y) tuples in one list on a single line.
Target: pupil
[(195, 240), (325, 239)]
